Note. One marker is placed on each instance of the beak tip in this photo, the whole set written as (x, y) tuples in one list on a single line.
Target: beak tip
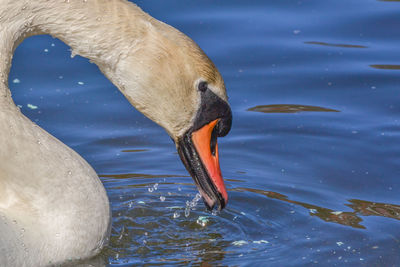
[(220, 202), (210, 204)]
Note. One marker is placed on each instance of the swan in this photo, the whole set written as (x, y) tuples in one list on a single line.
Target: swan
[(53, 207)]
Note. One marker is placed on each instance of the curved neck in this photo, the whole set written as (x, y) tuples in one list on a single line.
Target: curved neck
[(94, 29)]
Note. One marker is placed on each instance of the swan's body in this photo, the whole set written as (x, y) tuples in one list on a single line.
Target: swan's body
[(53, 207)]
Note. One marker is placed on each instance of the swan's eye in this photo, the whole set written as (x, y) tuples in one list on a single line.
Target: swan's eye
[(203, 86)]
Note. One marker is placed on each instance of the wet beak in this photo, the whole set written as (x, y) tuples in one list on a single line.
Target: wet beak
[(199, 153)]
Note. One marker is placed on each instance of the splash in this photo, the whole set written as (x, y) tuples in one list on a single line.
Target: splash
[(191, 205), (202, 220)]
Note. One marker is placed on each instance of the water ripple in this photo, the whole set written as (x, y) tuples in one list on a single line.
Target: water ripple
[(385, 67), (336, 45), (289, 108)]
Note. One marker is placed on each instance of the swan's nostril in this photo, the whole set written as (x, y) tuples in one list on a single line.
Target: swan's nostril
[(213, 142)]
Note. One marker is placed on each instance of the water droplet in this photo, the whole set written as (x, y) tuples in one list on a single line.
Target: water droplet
[(31, 106), (216, 212), (260, 242), (151, 189), (239, 243), (46, 50), (187, 212), (162, 198), (38, 141), (22, 230), (24, 7), (98, 19), (69, 172), (176, 214), (155, 186), (179, 189), (202, 220), (122, 233)]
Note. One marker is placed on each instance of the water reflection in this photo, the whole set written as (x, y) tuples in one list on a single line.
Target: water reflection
[(289, 108), (360, 207), (367, 208), (336, 45), (145, 222), (385, 67), (154, 224), (134, 150)]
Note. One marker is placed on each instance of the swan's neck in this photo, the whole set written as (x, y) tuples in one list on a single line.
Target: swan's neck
[(64, 208), (95, 29), (7, 42)]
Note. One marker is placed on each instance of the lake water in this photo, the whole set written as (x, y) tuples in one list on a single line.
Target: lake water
[(311, 163)]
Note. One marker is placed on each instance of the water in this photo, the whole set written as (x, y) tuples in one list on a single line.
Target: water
[(311, 163)]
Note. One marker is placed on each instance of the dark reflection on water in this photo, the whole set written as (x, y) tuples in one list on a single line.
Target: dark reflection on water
[(134, 150), (353, 219), (386, 67), (336, 45), (288, 108), (367, 208)]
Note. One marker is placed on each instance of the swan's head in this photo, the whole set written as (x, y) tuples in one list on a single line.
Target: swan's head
[(168, 78)]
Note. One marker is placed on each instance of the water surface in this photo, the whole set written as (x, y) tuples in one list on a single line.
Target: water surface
[(311, 163)]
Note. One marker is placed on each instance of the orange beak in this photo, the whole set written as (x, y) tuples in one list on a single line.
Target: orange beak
[(199, 153), (209, 156)]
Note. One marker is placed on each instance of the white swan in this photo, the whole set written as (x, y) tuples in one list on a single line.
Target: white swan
[(53, 207)]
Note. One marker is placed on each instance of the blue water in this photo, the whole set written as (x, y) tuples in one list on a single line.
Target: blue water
[(312, 170)]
